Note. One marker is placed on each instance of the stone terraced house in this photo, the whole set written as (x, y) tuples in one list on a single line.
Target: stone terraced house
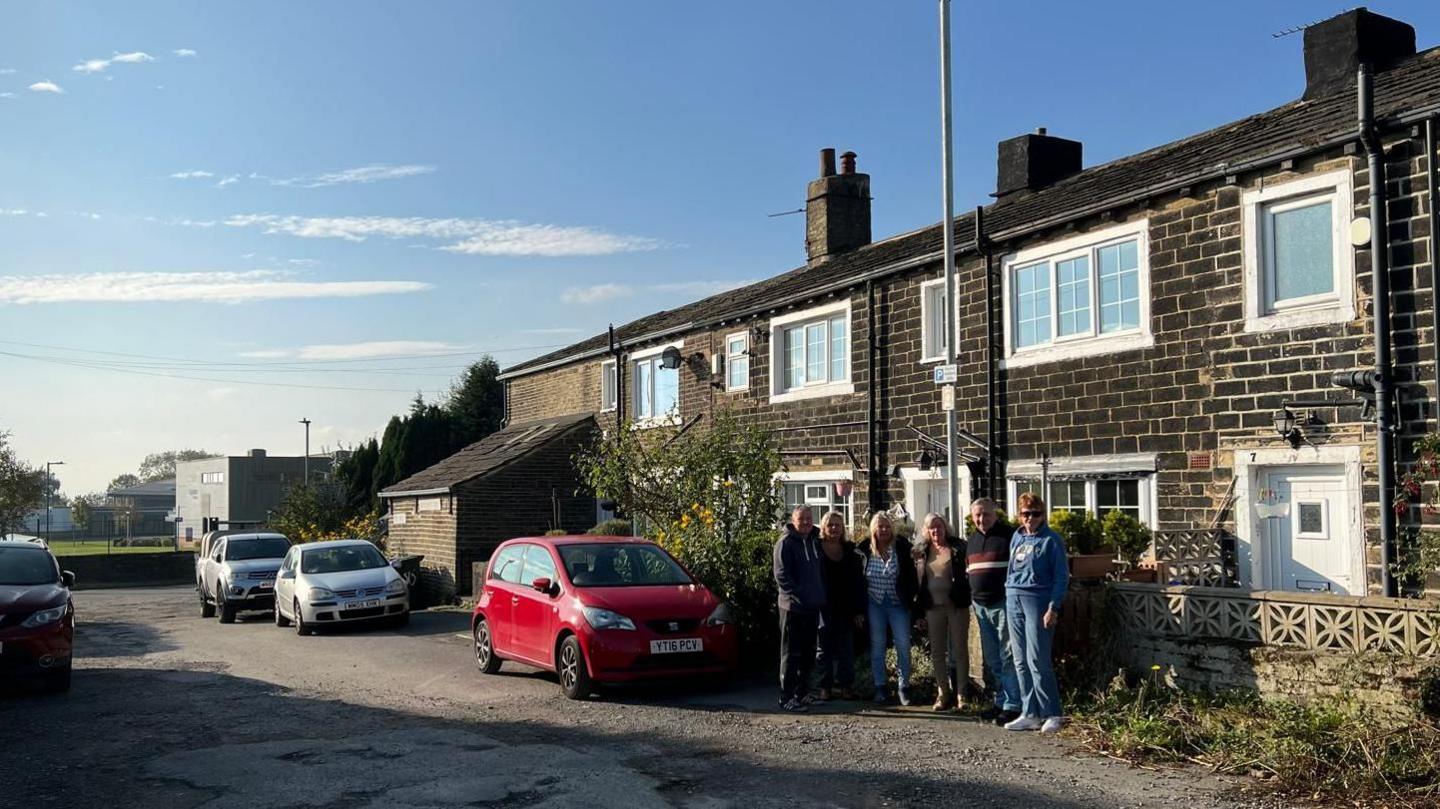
[(1142, 323)]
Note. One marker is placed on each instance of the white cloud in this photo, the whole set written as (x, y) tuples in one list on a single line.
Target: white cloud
[(8, 71), (8, 95), (231, 180), (191, 175), (207, 286), (13, 212), (184, 52), (99, 65), (47, 87), (363, 174), (599, 293), (358, 351), (475, 236)]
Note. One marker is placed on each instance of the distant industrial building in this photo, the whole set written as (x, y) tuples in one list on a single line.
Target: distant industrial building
[(236, 490)]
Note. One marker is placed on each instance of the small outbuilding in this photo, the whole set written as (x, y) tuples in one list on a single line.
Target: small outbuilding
[(520, 481)]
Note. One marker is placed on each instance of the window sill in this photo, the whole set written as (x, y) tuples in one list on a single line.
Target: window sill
[(656, 421), (1327, 314), (817, 392), (932, 360), (1076, 350)]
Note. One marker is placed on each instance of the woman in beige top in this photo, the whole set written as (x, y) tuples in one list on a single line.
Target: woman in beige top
[(945, 597)]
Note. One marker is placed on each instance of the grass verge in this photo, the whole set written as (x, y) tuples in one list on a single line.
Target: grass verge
[(98, 548), (1326, 751)]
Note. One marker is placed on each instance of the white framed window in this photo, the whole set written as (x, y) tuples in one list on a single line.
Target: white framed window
[(810, 353), (212, 477), (1098, 484), (1299, 265), (609, 385), (820, 490), (737, 361), (1078, 297), (934, 334), (655, 390)]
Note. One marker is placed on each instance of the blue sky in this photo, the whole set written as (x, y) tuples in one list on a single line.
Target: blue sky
[(360, 197)]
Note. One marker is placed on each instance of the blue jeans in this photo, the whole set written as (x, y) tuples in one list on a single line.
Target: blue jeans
[(999, 661), (896, 619), (1030, 643)]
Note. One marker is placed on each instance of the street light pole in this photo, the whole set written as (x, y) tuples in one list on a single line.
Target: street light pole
[(306, 422), (48, 487), (952, 325)]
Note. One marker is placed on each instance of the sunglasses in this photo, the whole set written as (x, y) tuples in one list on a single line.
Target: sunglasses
[(1032, 514)]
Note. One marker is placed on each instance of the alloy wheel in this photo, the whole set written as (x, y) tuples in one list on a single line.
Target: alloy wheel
[(569, 667)]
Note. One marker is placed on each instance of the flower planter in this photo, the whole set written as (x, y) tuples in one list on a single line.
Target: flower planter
[(1144, 575), (1091, 565)]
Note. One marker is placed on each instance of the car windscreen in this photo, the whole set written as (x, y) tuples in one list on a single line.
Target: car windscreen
[(336, 560), (26, 566), (609, 565), (258, 548)]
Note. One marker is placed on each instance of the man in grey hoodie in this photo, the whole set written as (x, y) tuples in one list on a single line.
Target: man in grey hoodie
[(800, 580)]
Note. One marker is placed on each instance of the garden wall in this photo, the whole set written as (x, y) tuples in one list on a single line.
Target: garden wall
[(130, 569)]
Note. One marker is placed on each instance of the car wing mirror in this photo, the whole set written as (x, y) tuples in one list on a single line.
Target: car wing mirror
[(542, 585), (287, 574), (67, 578)]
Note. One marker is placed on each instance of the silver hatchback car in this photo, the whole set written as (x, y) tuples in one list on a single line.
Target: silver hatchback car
[(335, 582)]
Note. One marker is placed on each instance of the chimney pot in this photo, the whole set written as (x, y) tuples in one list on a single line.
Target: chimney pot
[(1040, 130), (827, 162), (1335, 49), (847, 163)]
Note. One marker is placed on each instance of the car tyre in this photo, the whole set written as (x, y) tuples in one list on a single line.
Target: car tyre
[(485, 656), (574, 673), (58, 681), (280, 620), (207, 609), (301, 628), (223, 606)]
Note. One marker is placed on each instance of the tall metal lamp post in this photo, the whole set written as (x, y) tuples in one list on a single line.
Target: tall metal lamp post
[(952, 326), (48, 487), (306, 422)]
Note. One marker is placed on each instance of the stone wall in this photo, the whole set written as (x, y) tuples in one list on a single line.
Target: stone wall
[(1295, 645), (130, 569), (430, 533)]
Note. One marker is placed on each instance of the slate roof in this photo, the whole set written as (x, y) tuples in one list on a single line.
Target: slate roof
[(1407, 92), (487, 455), (155, 488)]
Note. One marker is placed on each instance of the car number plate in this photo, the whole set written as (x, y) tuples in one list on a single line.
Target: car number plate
[(362, 605), (266, 585), (676, 645)]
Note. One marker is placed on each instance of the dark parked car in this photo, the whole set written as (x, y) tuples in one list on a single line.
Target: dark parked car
[(599, 610), (37, 615)]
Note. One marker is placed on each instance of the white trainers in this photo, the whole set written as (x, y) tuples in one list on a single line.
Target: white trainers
[(1052, 725), (1024, 723)]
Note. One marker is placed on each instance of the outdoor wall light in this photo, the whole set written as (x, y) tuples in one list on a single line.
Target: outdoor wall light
[(1285, 425), (926, 461)]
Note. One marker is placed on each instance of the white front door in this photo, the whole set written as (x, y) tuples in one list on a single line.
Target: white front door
[(930, 493), (1310, 543)]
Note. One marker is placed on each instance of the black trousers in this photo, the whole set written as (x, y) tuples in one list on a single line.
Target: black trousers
[(798, 635)]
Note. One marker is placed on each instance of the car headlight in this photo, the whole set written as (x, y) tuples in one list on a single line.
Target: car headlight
[(320, 594), (44, 617), (395, 587), (235, 574), (605, 619), (722, 616)]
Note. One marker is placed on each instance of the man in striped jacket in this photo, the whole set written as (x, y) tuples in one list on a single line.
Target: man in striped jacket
[(987, 554)]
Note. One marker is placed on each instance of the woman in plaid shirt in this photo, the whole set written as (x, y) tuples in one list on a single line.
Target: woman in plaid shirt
[(891, 584)]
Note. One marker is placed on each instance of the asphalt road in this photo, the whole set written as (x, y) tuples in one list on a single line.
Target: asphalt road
[(169, 710)]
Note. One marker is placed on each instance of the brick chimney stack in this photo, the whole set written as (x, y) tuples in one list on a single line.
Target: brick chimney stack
[(837, 209), (1335, 49)]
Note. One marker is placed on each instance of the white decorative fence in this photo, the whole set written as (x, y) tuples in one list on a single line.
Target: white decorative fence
[(1307, 621)]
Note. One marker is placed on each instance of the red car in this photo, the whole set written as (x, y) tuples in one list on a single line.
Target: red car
[(37, 616), (599, 610)]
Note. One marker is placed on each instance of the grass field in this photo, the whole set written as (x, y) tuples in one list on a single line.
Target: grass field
[(97, 546)]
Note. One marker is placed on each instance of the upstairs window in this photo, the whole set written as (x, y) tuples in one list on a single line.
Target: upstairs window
[(737, 361), (934, 335), (1082, 296), (810, 353), (656, 390), (608, 385), (1299, 267)]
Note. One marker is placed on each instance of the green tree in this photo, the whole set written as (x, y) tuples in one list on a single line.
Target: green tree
[(22, 487), (357, 475), (310, 512), (161, 465), (476, 402), (82, 508), (124, 481)]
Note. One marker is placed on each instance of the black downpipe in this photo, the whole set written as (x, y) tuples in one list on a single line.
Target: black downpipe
[(1380, 284), (991, 431), (1432, 181), (872, 473)]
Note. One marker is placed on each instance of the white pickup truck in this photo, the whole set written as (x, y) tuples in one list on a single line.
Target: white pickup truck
[(236, 572)]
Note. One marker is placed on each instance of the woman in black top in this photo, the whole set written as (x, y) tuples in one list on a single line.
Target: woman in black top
[(844, 604)]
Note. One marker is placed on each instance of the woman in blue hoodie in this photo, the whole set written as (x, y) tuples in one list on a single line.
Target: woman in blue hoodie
[(1035, 584)]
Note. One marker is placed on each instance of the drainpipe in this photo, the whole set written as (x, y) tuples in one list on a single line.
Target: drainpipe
[(872, 473), (991, 367), (1380, 284), (1432, 181)]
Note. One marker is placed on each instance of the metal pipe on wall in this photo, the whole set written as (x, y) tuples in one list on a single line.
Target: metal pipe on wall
[(992, 362), (1432, 177), (872, 476), (1380, 286)]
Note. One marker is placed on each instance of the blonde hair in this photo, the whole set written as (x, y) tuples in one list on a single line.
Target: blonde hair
[(832, 516), (875, 521), (1031, 501)]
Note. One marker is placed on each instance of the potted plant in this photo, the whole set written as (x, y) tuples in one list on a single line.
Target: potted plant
[(1131, 540), (1090, 557)]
